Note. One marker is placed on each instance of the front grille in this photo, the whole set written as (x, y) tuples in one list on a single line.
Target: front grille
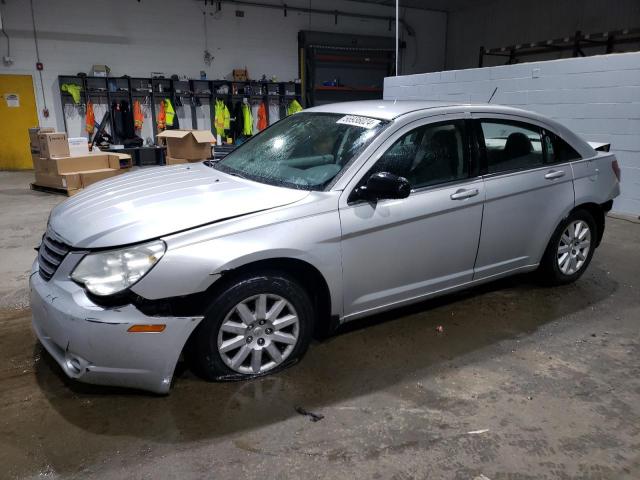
[(50, 255)]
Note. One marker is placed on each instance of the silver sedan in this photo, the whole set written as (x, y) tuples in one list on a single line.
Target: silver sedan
[(331, 214)]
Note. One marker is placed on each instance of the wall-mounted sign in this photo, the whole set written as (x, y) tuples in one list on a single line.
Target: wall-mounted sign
[(12, 99)]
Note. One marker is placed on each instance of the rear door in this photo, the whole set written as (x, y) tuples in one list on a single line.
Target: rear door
[(528, 192)]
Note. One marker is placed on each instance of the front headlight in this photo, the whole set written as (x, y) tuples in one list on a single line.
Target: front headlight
[(109, 272)]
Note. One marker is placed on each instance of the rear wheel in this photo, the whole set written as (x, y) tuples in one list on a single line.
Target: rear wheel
[(570, 249), (259, 324)]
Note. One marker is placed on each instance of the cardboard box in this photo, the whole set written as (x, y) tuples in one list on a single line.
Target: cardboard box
[(93, 176), (73, 182), (82, 163), (40, 164), (188, 144), (174, 161), (124, 159), (33, 137), (240, 75), (78, 146), (178, 161), (63, 182), (53, 145), (78, 163), (100, 71)]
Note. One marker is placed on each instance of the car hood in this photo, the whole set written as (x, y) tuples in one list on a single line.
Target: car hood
[(150, 203)]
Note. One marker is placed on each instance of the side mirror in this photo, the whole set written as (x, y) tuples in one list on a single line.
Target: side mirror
[(383, 185)]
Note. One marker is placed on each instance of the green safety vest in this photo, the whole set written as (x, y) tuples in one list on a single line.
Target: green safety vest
[(169, 112), (222, 118), (294, 107), (247, 120)]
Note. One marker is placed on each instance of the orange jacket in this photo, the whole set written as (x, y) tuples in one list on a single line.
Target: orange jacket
[(162, 117), (138, 117), (262, 117), (91, 118)]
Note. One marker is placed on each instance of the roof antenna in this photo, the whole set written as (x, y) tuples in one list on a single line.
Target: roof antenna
[(494, 92)]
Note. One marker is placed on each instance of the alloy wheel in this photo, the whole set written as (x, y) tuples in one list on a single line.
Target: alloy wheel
[(258, 334), (573, 247)]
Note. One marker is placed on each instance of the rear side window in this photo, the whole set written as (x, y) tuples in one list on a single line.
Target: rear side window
[(557, 150), (511, 145)]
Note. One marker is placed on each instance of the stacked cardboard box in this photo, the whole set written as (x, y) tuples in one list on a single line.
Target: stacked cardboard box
[(185, 146), (56, 168)]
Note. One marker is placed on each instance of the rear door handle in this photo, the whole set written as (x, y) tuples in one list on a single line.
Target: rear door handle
[(464, 193), (554, 174)]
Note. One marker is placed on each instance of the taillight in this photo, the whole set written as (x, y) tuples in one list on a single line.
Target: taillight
[(616, 169)]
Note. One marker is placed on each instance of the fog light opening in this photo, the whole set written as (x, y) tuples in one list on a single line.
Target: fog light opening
[(73, 364)]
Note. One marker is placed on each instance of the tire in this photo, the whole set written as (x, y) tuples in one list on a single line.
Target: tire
[(558, 269), (244, 306)]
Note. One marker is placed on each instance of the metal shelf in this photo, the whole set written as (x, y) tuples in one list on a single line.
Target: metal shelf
[(576, 44)]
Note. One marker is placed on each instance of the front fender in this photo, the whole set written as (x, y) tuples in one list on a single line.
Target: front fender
[(193, 266)]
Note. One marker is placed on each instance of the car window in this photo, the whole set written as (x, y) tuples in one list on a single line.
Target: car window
[(557, 150), (511, 145), (428, 155)]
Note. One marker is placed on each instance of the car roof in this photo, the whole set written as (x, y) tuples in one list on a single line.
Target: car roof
[(392, 109), (383, 109)]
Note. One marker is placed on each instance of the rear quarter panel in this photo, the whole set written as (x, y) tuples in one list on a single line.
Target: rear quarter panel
[(594, 179)]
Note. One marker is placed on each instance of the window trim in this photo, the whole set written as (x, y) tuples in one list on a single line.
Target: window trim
[(470, 157)]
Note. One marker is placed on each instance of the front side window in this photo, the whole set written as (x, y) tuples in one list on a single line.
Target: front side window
[(511, 145), (306, 150), (428, 155)]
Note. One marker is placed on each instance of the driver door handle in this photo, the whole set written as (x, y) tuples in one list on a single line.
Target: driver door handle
[(554, 174), (464, 193)]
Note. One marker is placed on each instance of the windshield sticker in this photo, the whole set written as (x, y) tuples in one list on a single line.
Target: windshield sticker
[(357, 121)]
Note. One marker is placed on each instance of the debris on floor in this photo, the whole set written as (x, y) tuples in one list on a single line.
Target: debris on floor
[(314, 417), (478, 432)]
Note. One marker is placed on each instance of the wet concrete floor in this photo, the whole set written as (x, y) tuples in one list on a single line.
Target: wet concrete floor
[(524, 382)]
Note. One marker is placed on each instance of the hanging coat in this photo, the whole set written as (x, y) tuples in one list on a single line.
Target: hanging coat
[(274, 111), (294, 107), (262, 117), (127, 120), (238, 121), (170, 112), (222, 118), (118, 121), (247, 120), (255, 107), (73, 90), (138, 117), (162, 118), (90, 118)]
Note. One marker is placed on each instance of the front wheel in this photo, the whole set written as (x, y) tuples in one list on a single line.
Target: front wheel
[(259, 324), (570, 249)]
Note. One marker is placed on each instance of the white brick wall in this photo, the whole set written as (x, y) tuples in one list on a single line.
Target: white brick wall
[(597, 97)]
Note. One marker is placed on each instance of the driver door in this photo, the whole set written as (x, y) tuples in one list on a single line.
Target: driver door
[(396, 251)]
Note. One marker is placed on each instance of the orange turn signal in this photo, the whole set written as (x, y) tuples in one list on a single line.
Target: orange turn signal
[(147, 328)]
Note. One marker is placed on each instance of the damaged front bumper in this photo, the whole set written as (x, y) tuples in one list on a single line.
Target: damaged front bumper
[(91, 343)]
